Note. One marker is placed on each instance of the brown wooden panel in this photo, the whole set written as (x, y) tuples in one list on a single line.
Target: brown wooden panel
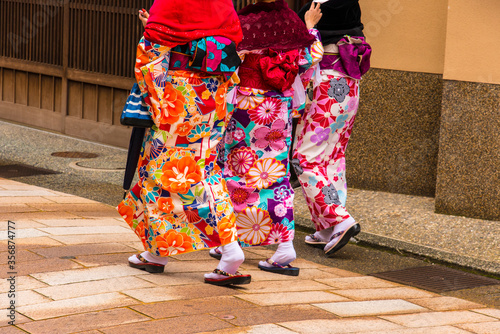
[(23, 65), (1, 83), (57, 95), (21, 90), (94, 27), (119, 98), (98, 132), (90, 102), (100, 79), (31, 30), (34, 91), (105, 105), (30, 116), (47, 92), (75, 96)]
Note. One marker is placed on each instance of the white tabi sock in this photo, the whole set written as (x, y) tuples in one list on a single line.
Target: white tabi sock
[(323, 235), (284, 255), (216, 251), (150, 258), (232, 258), (343, 226)]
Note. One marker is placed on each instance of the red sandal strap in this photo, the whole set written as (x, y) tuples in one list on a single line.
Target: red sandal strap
[(141, 258)]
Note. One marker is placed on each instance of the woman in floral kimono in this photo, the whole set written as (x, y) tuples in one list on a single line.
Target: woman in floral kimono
[(325, 128), (181, 204), (276, 46)]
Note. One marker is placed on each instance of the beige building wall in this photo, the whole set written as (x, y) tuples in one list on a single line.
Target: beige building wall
[(406, 35), (473, 41), (457, 38)]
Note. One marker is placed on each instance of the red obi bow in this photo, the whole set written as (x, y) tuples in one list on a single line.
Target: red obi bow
[(280, 69)]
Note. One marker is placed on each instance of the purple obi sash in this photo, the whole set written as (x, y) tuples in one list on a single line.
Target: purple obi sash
[(352, 59)]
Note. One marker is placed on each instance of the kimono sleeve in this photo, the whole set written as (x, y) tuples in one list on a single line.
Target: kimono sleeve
[(308, 65)]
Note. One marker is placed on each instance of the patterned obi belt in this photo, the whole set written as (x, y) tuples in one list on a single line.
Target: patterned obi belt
[(270, 71), (350, 56), (213, 55)]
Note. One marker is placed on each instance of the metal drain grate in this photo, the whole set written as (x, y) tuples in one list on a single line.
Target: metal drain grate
[(12, 171), (79, 155), (436, 278)]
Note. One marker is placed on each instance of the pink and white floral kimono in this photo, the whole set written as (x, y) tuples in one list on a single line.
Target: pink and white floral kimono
[(325, 128), (257, 140)]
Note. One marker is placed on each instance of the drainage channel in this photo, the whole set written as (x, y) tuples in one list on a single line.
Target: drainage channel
[(436, 278)]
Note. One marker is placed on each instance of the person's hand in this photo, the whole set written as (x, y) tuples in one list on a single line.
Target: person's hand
[(313, 15), (143, 16)]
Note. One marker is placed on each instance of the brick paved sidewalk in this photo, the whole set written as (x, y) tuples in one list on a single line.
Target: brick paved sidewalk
[(72, 277)]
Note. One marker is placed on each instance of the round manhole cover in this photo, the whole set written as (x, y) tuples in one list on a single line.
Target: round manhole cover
[(79, 155), (108, 164)]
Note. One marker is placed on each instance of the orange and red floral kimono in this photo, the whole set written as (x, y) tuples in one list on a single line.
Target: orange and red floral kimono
[(181, 203)]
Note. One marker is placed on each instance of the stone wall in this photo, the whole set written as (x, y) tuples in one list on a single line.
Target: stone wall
[(394, 145)]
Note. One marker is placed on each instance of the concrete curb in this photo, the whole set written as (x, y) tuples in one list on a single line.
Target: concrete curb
[(436, 254), (420, 250)]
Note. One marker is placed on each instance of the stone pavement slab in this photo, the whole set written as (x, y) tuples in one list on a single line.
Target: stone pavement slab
[(482, 328), (84, 230), (88, 249), (25, 297), (178, 325), (85, 274), (69, 306), (95, 238), (370, 307), (445, 303), (438, 318), (305, 274), (39, 266), (164, 293), (289, 298), (274, 314), (22, 283), (358, 325), (32, 243), (218, 304), (74, 290), (258, 329), (73, 277), (365, 282), (20, 319), (427, 330), (80, 222), (24, 224), (492, 312), (11, 330), (384, 293), (171, 279), (96, 260), (284, 286), (84, 322), (22, 255)]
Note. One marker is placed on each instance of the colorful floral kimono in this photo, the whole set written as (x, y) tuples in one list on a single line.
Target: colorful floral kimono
[(325, 128), (181, 203), (257, 143)]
